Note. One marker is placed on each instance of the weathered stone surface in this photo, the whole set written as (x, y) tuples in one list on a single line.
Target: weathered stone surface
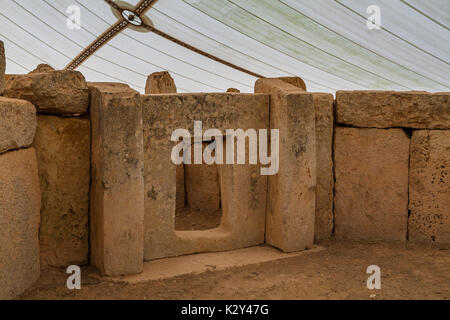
[(160, 82), (57, 92), (233, 90), (291, 192), (63, 150), (243, 189), (371, 188), (429, 187), (17, 124), (117, 191), (295, 81), (20, 202), (2, 67), (42, 68), (323, 104), (387, 109)]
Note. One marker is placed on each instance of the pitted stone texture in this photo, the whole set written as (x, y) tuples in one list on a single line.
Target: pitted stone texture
[(371, 190), (233, 90), (295, 81), (323, 104), (20, 201), (57, 92), (2, 67), (63, 150), (291, 192), (243, 189), (17, 124), (429, 187), (42, 68), (160, 82), (117, 191), (387, 109)]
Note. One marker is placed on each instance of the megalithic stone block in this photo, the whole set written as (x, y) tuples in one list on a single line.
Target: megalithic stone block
[(60, 92), (371, 191), (388, 109), (291, 193), (160, 82), (117, 190), (20, 202), (63, 150), (17, 124)]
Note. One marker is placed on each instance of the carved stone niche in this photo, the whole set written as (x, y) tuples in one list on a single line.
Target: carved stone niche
[(243, 190)]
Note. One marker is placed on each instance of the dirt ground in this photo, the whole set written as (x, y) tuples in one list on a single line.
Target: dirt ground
[(407, 272)]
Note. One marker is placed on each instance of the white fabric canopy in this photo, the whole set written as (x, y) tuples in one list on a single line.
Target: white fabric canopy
[(326, 42)]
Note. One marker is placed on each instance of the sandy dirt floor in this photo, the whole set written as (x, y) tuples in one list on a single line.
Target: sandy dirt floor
[(339, 272)]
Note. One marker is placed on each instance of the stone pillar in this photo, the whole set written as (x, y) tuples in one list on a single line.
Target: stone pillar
[(63, 150), (291, 192), (20, 198), (323, 104), (371, 191), (160, 82), (117, 190), (429, 187), (20, 201)]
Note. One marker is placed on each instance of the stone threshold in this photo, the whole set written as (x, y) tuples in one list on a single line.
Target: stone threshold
[(168, 268)]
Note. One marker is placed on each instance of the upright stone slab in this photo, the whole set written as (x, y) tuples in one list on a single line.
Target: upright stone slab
[(17, 124), (160, 82), (371, 188), (117, 191), (323, 104), (429, 187), (63, 151), (291, 192), (2, 67), (387, 109), (20, 201), (243, 188), (55, 92)]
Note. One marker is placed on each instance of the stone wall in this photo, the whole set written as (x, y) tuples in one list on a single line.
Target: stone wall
[(20, 197), (62, 145), (391, 158)]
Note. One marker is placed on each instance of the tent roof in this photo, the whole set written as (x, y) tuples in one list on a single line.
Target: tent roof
[(326, 42)]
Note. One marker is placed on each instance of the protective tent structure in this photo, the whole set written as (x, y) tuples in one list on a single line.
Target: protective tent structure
[(212, 45)]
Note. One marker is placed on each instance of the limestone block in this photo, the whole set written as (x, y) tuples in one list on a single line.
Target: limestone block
[(291, 192), (243, 189), (429, 187), (323, 104), (20, 202), (17, 124), (57, 92), (387, 109), (2, 67), (117, 191), (295, 81), (160, 82), (63, 151), (371, 190)]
